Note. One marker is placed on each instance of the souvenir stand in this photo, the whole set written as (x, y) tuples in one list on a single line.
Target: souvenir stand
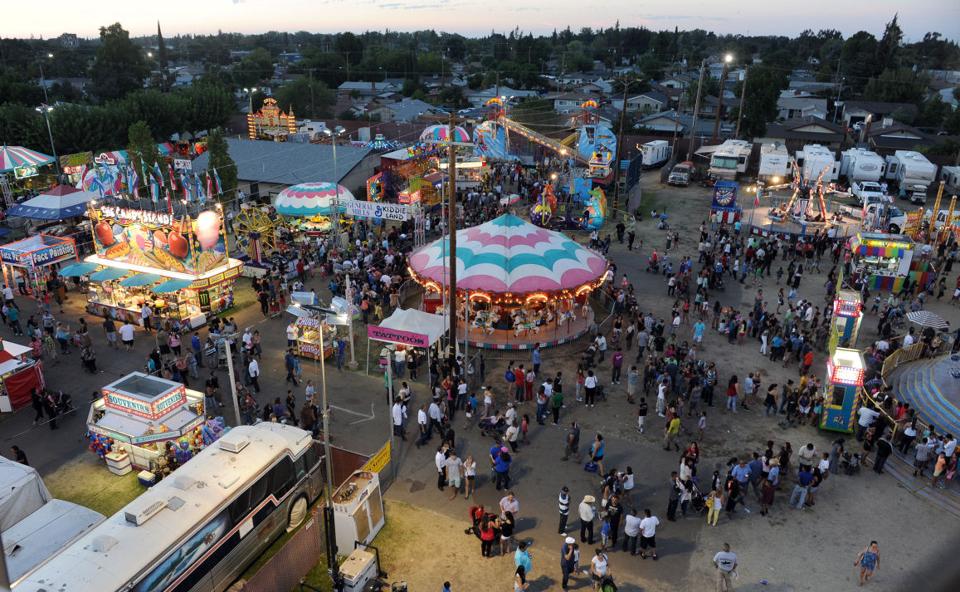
[(20, 374), (28, 257), (724, 208), (138, 414), (845, 370), (518, 285), (882, 261), (177, 264)]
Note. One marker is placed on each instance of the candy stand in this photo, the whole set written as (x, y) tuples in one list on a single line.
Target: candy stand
[(845, 370), (137, 415), (176, 264)]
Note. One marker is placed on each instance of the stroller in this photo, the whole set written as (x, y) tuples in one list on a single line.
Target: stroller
[(850, 463), (607, 584), (699, 503), (494, 426)]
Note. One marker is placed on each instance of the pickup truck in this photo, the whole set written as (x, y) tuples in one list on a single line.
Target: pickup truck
[(917, 194), (680, 175), (883, 218), (867, 192)]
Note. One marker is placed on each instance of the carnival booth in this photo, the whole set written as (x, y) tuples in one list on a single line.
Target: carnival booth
[(29, 257), (314, 337), (517, 284), (20, 374), (57, 203), (845, 323), (724, 208), (130, 425), (405, 329), (882, 261), (312, 205), (179, 266), (845, 370)]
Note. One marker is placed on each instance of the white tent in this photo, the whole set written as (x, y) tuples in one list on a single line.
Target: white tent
[(21, 492), (416, 321)]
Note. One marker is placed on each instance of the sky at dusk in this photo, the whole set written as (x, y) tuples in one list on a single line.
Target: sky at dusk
[(748, 17)]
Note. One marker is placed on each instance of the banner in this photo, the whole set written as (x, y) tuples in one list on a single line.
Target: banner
[(397, 336), (371, 209)]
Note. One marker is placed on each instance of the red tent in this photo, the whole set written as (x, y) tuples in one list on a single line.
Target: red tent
[(19, 379)]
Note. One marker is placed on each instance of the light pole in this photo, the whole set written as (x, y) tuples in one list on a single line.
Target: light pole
[(743, 94), (333, 133), (250, 92), (349, 293), (43, 80), (696, 110), (46, 109), (723, 78)]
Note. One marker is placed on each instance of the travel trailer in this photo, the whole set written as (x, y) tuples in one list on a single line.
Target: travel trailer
[(774, 162), (815, 159), (858, 164), (730, 159), (654, 153), (912, 173)]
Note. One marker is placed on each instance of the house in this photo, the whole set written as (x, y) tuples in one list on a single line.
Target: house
[(949, 96), (568, 102), (596, 87), (266, 168), (888, 136), (290, 57), (651, 101), (405, 111), (796, 133), (478, 97), (668, 122), (68, 41), (79, 84), (792, 105), (678, 81), (857, 111), (366, 89)]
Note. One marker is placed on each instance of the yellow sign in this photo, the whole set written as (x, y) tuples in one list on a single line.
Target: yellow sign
[(378, 461)]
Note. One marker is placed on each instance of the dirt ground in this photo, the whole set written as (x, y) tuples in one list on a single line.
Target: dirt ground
[(789, 550)]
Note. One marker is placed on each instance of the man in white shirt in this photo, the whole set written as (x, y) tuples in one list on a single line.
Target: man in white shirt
[(908, 339), (126, 335), (866, 417), (253, 369), (399, 413), (587, 514), (435, 417), (511, 435), (423, 422), (146, 313), (648, 534), (509, 503), (601, 347), (292, 334), (454, 466), (949, 446), (631, 530), (726, 562), (511, 415)]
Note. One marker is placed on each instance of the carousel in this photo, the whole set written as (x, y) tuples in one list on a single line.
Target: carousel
[(311, 205), (518, 285)]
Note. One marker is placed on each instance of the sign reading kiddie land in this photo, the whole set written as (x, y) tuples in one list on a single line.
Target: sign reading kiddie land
[(409, 338)]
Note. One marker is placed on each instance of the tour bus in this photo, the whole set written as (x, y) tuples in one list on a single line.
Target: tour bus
[(201, 527)]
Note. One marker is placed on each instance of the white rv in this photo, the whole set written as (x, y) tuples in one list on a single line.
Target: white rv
[(774, 161), (817, 159), (730, 159), (858, 164), (950, 175), (913, 174), (654, 153)]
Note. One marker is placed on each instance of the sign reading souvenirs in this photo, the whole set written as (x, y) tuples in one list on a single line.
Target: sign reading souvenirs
[(159, 239)]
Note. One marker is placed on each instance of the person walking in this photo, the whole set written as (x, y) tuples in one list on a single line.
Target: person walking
[(36, 401), (597, 450), (290, 363), (590, 388), (726, 563), (573, 442), (253, 369), (714, 505), (884, 450), (19, 455), (799, 494), (587, 513), (556, 404), (869, 561), (648, 535), (599, 568), (563, 505), (567, 560)]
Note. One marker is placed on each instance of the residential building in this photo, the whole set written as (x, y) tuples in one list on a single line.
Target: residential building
[(265, 168), (366, 89), (568, 102), (405, 111), (857, 111), (651, 101), (678, 81), (798, 132), (887, 136), (478, 97), (668, 122), (792, 104), (950, 96)]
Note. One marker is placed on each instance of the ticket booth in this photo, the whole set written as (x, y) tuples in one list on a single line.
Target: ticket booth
[(847, 315), (845, 370)]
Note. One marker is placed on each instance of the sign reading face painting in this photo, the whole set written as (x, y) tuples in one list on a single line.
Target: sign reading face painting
[(372, 209)]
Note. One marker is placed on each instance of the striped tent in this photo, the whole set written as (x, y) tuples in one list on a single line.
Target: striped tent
[(12, 157)]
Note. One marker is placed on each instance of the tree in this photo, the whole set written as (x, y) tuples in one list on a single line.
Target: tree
[(452, 96), (896, 85), (760, 102), (859, 59), (119, 66), (162, 61), (889, 45), (254, 68), (952, 123), (308, 98), (142, 149), (221, 162)]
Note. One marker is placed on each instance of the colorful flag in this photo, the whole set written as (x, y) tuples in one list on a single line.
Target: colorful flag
[(173, 178), (209, 185), (154, 189), (217, 184), (133, 181), (198, 187)]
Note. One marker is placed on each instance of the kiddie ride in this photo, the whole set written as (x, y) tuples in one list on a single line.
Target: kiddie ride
[(592, 217)]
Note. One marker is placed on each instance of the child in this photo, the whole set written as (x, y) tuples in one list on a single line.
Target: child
[(605, 532), (641, 414), (701, 425), (524, 426)]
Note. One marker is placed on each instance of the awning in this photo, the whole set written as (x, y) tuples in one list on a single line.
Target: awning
[(140, 279), (58, 203), (108, 274), (170, 286), (78, 269), (707, 150), (409, 322)]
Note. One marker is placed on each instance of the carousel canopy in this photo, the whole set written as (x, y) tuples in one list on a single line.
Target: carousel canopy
[(311, 199), (508, 254), (12, 157), (440, 134), (56, 203)]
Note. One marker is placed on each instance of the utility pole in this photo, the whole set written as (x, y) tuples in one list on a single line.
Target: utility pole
[(452, 223), (743, 93), (696, 111), (616, 163), (723, 78)]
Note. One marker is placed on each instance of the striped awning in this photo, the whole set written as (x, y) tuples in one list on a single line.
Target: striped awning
[(925, 318), (12, 157)]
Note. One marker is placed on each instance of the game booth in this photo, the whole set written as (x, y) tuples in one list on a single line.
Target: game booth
[(883, 261), (724, 208), (130, 425), (517, 284), (30, 256), (20, 374), (845, 372), (178, 265)]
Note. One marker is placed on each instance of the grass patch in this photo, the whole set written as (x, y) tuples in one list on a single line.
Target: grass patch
[(649, 201), (317, 578), (88, 482)]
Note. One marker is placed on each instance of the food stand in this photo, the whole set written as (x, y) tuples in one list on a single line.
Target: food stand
[(20, 374), (29, 256), (309, 340), (845, 370), (882, 260), (138, 414), (178, 265)]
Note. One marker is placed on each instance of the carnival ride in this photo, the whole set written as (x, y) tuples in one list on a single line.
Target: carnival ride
[(517, 284), (256, 232), (545, 208), (311, 205), (806, 204)]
